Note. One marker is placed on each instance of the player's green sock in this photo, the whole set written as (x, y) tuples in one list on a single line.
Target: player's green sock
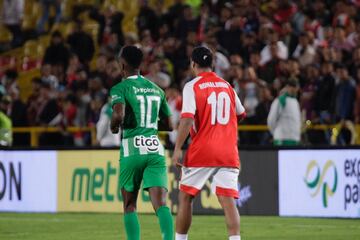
[(132, 226), (166, 223)]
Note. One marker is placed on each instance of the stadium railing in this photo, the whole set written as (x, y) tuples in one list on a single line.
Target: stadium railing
[(35, 132)]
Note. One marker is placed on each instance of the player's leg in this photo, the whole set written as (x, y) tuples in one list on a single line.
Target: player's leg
[(184, 215), (131, 173), (131, 221), (155, 181), (225, 186), (232, 217), (192, 181)]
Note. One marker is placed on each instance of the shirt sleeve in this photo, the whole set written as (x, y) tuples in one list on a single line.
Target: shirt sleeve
[(164, 108), (273, 115), (189, 104), (117, 95), (240, 110)]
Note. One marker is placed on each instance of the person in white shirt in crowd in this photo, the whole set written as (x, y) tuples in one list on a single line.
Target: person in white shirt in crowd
[(158, 77), (281, 49), (48, 77), (104, 136), (284, 119), (304, 52)]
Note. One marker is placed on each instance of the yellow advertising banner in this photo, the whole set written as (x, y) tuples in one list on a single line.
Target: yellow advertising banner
[(88, 181)]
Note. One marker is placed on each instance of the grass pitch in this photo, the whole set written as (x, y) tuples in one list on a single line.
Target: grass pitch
[(110, 227)]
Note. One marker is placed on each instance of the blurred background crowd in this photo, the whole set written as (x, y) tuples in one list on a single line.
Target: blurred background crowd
[(258, 46)]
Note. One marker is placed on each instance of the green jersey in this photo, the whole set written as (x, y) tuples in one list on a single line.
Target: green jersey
[(144, 104)]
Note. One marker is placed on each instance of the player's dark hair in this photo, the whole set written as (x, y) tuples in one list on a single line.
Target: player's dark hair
[(202, 56), (132, 56)]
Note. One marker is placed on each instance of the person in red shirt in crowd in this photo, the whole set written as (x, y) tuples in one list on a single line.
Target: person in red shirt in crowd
[(210, 112)]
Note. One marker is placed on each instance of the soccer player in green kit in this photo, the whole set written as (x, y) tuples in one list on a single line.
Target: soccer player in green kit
[(137, 105)]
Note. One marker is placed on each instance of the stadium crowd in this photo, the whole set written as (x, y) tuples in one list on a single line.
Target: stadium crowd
[(258, 46)]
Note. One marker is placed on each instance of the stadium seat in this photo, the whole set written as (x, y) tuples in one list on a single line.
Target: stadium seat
[(92, 28), (33, 52), (5, 35)]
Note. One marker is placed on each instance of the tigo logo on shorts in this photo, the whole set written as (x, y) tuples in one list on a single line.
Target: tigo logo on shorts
[(150, 143)]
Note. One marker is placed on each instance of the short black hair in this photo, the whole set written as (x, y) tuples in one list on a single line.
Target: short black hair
[(202, 56), (292, 82), (132, 55)]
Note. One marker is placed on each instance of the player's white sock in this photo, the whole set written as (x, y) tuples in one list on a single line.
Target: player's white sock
[(236, 237), (179, 236)]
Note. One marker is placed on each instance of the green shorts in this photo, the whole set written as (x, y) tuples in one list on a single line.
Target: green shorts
[(150, 168)]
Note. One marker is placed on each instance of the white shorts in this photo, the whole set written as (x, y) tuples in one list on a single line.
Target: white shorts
[(224, 181)]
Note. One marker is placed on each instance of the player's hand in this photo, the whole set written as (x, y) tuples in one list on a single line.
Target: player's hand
[(114, 130), (177, 155)]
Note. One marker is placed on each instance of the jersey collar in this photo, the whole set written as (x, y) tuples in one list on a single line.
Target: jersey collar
[(133, 77), (207, 74)]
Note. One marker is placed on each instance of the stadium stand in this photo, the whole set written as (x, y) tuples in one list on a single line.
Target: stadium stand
[(258, 45)]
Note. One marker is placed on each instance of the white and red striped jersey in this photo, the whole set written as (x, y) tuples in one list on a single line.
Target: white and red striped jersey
[(215, 107)]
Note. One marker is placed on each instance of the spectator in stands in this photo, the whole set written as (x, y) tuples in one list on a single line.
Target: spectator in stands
[(251, 94), (57, 54), (5, 122), (355, 63), (100, 70), (317, 36), (11, 16), (32, 102), (308, 91), (324, 98), (175, 13), (48, 114), (261, 113), (81, 43), (345, 94), (67, 116), (157, 76), (147, 19), (104, 136), (187, 23), (340, 42), (96, 88), (110, 21), (48, 77), (17, 113), (8, 81), (47, 106), (274, 50), (357, 102), (304, 52), (46, 4), (284, 119), (72, 70)]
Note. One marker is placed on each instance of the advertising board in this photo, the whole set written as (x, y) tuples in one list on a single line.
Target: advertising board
[(319, 183), (28, 181)]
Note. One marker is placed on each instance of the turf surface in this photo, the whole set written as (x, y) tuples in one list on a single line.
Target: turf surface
[(109, 226)]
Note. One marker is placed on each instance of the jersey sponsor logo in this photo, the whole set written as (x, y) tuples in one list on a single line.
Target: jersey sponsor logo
[(115, 97), (213, 85), (151, 143), (145, 90)]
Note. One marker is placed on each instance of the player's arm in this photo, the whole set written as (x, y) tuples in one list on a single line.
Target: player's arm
[(165, 122), (118, 106), (186, 121), (183, 132), (117, 118), (240, 110)]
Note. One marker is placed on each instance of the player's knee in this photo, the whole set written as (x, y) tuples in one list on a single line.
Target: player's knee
[(129, 207), (185, 198), (157, 205)]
